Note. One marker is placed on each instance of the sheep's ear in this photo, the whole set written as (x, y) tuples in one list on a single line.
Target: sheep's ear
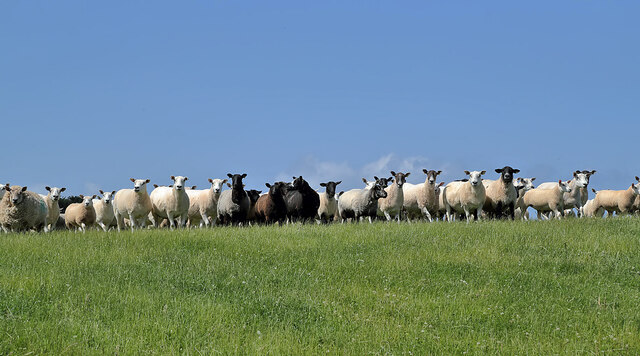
[(81, 196), (425, 171), (438, 172), (194, 187), (323, 184), (338, 182), (210, 180), (532, 179), (390, 179), (186, 178), (229, 175), (244, 175), (7, 187), (147, 181), (407, 174), (155, 186), (575, 174), (93, 197), (498, 170), (267, 185), (224, 181), (228, 185), (593, 171), (259, 191), (483, 172), (24, 189), (467, 172), (363, 179), (173, 178), (113, 192), (101, 192), (393, 173), (340, 194), (376, 178), (516, 171), (593, 190), (133, 180), (47, 189), (638, 179), (441, 184), (63, 189), (559, 181)]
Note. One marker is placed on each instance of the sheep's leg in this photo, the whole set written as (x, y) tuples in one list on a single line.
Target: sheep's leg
[(205, 219), (448, 213), (478, 214), (512, 211), (467, 213), (386, 215), (101, 224), (426, 213), (132, 221), (370, 222)]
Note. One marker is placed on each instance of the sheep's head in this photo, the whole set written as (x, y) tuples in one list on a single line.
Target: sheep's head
[(139, 184), (506, 173), (589, 174), (383, 182), (431, 175), (107, 197), (253, 195), (87, 200), (178, 182), (297, 183), (378, 192), (564, 186), (438, 188), (475, 177), (236, 180), (331, 188), (217, 184), (524, 183), (400, 177), (54, 192), (636, 187), (277, 188), (581, 179), (16, 193)]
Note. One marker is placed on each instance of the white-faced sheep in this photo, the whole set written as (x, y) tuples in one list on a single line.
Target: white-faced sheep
[(466, 196), (203, 204), (422, 199), (522, 186), (133, 204), (80, 216), (22, 210), (578, 185), (391, 205), (104, 210), (618, 201), (51, 199), (233, 205), (590, 209), (357, 203), (328, 202), (171, 203), (547, 200), (501, 194)]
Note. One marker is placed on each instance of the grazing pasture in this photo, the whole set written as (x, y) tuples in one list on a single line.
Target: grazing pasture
[(570, 286)]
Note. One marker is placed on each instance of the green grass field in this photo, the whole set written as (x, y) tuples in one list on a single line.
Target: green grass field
[(571, 286)]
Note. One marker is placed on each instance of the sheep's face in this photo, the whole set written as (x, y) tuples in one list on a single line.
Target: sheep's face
[(588, 174), (139, 184), (564, 186), (431, 175), (383, 182), (87, 200), (16, 194), (331, 188), (506, 173), (54, 193), (525, 183), (217, 184), (297, 183), (236, 180), (379, 192), (178, 182), (107, 197), (253, 195), (635, 188), (475, 177), (400, 178), (582, 180), (438, 188)]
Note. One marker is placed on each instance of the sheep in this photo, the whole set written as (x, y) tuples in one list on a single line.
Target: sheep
[(80, 216), (233, 205), (203, 204), (393, 202), (271, 207), (328, 202), (590, 210), (544, 199), (170, 203), (2, 190), (104, 210), (22, 210), (302, 201), (422, 199), (357, 203), (466, 196), (578, 185), (253, 195), (522, 186), (618, 201), (51, 199), (501, 194), (133, 204)]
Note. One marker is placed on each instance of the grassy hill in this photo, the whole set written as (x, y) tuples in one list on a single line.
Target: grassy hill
[(568, 286)]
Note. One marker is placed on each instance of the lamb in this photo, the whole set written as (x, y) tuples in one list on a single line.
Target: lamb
[(466, 196), (22, 210), (544, 200), (501, 194), (578, 185), (302, 201), (618, 201), (393, 202), (170, 203), (522, 186), (133, 204), (271, 207), (422, 199), (104, 210), (357, 203), (51, 199), (328, 202), (233, 205), (203, 204), (80, 215)]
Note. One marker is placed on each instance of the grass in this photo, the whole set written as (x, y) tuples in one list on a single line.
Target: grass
[(492, 287)]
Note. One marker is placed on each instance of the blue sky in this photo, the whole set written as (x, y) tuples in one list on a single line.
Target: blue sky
[(93, 93)]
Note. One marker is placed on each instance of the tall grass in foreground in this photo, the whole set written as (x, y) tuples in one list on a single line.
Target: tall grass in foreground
[(571, 286)]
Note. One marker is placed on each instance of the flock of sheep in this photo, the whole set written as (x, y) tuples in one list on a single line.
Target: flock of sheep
[(386, 198)]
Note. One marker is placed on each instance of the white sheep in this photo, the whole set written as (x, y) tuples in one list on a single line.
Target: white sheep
[(618, 201), (328, 202), (392, 204), (51, 199), (422, 199), (203, 204), (170, 203), (522, 185), (578, 185), (80, 216), (590, 209), (22, 210), (547, 200), (104, 210), (133, 204), (357, 203), (501, 194), (466, 196)]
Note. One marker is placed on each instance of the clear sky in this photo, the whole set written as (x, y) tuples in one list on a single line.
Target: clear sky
[(93, 93)]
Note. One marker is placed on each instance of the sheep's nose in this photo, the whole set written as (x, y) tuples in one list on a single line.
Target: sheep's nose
[(14, 200)]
